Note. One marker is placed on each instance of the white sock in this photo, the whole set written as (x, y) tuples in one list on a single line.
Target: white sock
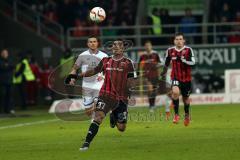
[(167, 104)]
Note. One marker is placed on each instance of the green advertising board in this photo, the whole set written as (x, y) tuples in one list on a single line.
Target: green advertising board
[(175, 4)]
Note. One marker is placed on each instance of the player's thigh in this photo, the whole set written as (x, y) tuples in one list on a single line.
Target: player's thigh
[(175, 87), (153, 84), (99, 116), (105, 104), (175, 91)]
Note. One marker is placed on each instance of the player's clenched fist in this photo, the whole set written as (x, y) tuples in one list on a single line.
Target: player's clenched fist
[(71, 79)]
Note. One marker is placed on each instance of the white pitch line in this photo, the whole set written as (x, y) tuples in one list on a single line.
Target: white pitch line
[(28, 124)]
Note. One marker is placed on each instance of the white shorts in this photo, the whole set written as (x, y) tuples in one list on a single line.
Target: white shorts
[(90, 92), (88, 97)]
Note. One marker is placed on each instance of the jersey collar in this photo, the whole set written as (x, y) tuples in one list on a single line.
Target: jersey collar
[(92, 53), (180, 49), (117, 59)]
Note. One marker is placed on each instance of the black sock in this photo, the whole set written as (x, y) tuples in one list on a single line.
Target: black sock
[(186, 108), (176, 105), (92, 131), (151, 101)]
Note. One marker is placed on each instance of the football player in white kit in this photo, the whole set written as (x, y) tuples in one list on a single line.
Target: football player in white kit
[(91, 85)]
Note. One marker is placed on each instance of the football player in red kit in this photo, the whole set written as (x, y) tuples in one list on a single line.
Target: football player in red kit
[(181, 58), (114, 94)]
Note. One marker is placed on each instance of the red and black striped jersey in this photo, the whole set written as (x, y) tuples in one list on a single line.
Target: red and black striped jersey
[(116, 74), (182, 60), (149, 64)]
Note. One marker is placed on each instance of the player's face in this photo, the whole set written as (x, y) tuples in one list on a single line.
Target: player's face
[(179, 41), (92, 43), (148, 47), (117, 47), (4, 54)]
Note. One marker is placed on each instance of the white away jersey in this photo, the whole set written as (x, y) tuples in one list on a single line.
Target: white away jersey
[(89, 61)]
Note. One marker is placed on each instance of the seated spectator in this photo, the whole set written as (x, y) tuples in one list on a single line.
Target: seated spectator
[(185, 23), (237, 19), (94, 30), (222, 30), (166, 19), (108, 31), (235, 35), (225, 12), (50, 5), (51, 17), (79, 29)]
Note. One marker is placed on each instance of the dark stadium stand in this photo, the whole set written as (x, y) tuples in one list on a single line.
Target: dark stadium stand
[(67, 12)]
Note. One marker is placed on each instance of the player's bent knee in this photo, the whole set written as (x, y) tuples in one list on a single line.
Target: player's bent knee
[(121, 127), (99, 116), (186, 100), (175, 92), (175, 95)]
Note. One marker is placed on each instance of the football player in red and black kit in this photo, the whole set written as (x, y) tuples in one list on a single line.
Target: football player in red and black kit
[(149, 63), (182, 59), (114, 94)]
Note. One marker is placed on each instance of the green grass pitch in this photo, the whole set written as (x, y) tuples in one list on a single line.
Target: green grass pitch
[(214, 134)]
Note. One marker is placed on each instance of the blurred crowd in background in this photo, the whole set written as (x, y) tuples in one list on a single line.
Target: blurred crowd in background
[(222, 11), (74, 13)]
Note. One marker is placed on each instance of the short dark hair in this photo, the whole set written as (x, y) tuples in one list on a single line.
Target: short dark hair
[(119, 39), (179, 34), (92, 36), (148, 41), (98, 40)]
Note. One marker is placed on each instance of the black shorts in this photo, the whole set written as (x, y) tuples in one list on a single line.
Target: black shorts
[(118, 108), (185, 87), (121, 112)]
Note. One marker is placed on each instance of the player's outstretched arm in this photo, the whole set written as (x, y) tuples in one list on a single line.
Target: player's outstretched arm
[(91, 72), (72, 77), (88, 73)]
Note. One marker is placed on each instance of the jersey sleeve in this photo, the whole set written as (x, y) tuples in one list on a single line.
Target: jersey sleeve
[(158, 60), (131, 71), (99, 67), (190, 60), (79, 62), (167, 59), (140, 59), (166, 63)]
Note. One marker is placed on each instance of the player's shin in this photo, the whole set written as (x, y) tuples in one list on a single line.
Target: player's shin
[(186, 108), (167, 104), (92, 131), (176, 106)]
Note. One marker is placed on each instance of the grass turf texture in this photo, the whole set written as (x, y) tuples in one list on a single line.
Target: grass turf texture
[(214, 134)]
